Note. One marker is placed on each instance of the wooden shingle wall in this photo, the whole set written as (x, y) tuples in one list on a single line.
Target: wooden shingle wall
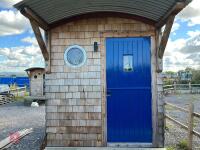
[(75, 112), (36, 83)]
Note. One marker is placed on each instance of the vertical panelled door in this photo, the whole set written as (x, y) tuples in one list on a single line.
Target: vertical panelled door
[(128, 75)]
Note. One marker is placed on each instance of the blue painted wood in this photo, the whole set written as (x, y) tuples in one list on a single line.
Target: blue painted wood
[(129, 115)]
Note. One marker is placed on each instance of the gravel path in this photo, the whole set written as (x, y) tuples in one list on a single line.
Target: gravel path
[(15, 117), (174, 134)]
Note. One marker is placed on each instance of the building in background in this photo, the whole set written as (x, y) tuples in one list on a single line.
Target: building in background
[(185, 75)]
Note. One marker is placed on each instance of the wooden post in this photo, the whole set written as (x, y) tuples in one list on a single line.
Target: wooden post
[(190, 87), (17, 91), (190, 126), (174, 87), (25, 90), (165, 119)]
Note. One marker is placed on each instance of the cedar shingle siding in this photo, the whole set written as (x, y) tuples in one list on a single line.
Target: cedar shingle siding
[(75, 112)]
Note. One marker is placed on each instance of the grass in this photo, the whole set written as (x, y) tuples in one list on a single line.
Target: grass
[(21, 98), (171, 148), (169, 126), (182, 145)]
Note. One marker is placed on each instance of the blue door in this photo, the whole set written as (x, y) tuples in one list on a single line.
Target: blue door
[(128, 75)]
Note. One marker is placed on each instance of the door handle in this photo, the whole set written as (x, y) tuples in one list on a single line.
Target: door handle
[(108, 93)]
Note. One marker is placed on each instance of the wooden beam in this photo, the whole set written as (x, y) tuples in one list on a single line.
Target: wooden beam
[(165, 36), (177, 107), (177, 122), (190, 125), (159, 62), (32, 16), (48, 43), (172, 12), (40, 40)]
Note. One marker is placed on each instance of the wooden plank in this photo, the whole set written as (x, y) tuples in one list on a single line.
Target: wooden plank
[(174, 11), (7, 142), (32, 16), (154, 93), (196, 133), (177, 107), (48, 43), (5, 99), (159, 67), (165, 36), (177, 122), (40, 40), (190, 126), (196, 114)]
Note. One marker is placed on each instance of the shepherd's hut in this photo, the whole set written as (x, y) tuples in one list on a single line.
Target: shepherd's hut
[(103, 63)]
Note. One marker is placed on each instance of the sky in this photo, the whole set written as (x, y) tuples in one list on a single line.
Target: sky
[(19, 49)]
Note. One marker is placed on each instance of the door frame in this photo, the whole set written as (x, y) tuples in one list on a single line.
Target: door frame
[(153, 53)]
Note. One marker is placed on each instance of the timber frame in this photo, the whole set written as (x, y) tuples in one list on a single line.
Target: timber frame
[(168, 21), (37, 22)]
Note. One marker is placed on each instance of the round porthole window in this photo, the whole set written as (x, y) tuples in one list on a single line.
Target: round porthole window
[(75, 56)]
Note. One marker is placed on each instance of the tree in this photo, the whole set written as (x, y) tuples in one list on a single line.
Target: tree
[(195, 76)]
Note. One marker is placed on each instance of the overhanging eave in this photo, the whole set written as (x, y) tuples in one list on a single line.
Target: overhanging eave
[(53, 11)]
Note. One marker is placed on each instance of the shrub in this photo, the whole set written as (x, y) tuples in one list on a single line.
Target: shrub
[(183, 145)]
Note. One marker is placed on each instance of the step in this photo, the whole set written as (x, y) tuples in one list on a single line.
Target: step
[(99, 148)]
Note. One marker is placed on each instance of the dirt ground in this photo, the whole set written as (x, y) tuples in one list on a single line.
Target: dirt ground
[(174, 134), (15, 116)]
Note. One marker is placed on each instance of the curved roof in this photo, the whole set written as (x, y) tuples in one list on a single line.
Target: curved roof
[(52, 11), (34, 68)]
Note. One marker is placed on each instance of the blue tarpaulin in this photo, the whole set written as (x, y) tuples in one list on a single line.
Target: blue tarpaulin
[(19, 81)]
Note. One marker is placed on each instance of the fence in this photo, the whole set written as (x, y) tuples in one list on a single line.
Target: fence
[(181, 88), (189, 127), (19, 91)]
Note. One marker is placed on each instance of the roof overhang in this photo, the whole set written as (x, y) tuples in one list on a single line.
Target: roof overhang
[(35, 68), (48, 13)]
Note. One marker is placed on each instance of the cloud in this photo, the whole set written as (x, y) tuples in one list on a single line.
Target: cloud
[(191, 13), (174, 46), (12, 22), (192, 45), (175, 27), (8, 3), (178, 61), (31, 40), (182, 53), (192, 34), (20, 58)]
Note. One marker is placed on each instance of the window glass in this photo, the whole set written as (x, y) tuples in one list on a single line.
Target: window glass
[(128, 63), (75, 56)]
